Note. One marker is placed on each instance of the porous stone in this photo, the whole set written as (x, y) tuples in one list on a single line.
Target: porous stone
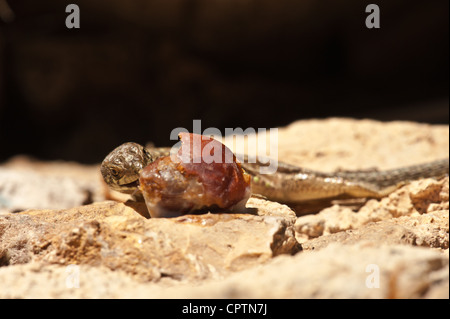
[(428, 230), (113, 235), (337, 271), (419, 197), (30, 184)]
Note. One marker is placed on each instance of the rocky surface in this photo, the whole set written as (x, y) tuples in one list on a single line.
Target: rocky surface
[(398, 244), (420, 197), (429, 230), (338, 271), (113, 235), (404, 272), (26, 183)]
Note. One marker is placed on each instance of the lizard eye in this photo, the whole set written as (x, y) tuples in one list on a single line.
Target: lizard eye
[(114, 172)]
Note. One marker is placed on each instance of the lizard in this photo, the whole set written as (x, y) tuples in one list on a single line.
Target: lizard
[(289, 184)]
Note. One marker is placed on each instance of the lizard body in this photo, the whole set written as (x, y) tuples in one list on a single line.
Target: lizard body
[(290, 184)]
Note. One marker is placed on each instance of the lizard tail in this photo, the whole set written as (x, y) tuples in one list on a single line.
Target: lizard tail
[(435, 169)]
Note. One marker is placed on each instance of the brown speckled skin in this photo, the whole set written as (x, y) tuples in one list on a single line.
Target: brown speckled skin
[(290, 184), (295, 185), (121, 168)]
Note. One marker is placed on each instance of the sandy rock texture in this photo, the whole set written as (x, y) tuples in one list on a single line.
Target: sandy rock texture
[(425, 197), (404, 272), (70, 240), (113, 235), (27, 183)]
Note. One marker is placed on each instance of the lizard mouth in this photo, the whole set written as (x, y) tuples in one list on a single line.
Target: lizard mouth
[(128, 188), (132, 184)]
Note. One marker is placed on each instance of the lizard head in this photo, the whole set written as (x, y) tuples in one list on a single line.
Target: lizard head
[(121, 168)]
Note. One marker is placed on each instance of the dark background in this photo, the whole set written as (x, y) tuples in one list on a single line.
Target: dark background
[(137, 69)]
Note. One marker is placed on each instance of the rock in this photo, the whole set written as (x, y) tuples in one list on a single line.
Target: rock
[(113, 235), (349, 271), (429, 230), (424, 196), (203, 175), (341, 143), (41, 280), (29, 184), (337, 271)]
